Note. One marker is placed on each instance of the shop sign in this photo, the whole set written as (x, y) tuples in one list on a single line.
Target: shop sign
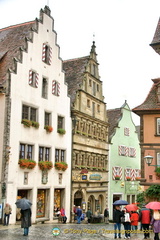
[(95, 176)]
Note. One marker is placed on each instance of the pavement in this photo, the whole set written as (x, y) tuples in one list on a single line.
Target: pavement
[(68, 231)]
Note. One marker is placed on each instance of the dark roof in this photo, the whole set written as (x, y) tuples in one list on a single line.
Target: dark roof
[(156, 38), (114, 116), (11, 40), (150, 103), (74, 73)]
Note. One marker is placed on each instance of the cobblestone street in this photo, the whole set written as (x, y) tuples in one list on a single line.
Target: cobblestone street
[(67, 231)]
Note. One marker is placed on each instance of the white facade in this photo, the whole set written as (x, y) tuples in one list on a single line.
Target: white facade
[(29, 181)]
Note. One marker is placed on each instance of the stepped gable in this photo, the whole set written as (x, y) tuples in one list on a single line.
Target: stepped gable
[(114, 115), (150, 102), (74, 73), (12, 41)]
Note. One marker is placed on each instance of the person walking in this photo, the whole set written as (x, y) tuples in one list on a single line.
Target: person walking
[(117, 214), (79, 214), (145, 219), (89, 215), (155, 223), (7, 212), (134, 221), (26, 220), (106, 215), (63, 215), (127, 223)]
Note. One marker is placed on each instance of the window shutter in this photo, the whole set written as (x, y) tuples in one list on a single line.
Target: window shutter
[(114, 172), (44, 52), (58, 89), (132, 174), (120, 150), (53, 86), (30, 77), (50, 56), (37, 79)]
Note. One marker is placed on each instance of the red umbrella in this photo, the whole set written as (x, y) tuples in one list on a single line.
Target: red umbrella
[(153, 205), (131, 207)]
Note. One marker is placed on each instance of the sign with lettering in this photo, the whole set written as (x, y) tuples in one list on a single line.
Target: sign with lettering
[(95, 176)]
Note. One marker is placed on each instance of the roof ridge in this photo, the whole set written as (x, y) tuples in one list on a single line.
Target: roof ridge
[(74, 59), (17, 25)]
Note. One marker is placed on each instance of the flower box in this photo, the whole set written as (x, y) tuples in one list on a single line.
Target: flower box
[(35, 124), (27, 163), (117, 177), (26, 122), (45, 165), (137, 178), (61, 131), (128, 178), (61, 166), (48, 128)]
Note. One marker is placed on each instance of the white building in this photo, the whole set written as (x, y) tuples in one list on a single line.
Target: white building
[(32, 87)]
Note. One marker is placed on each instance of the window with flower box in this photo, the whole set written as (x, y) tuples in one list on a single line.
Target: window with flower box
[(59, 155), (29, 113), (44, 154), (25, 151)]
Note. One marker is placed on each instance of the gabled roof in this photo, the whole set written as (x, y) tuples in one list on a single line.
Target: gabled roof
[(74, 73), (156, 38), (150, 103), (114, 116), (11, 40)]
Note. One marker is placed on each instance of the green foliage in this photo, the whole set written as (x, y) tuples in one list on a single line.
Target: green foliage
[(153, 192), (61, 131), (140, 199)]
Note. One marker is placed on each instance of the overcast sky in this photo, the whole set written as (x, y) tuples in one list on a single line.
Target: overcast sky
[(123, 30)]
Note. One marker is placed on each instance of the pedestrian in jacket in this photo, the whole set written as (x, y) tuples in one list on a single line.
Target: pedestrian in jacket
[(145, 219), (155, 223), (26, 220), (117, 214), (127, 223), (134, 220), (63, 215), (89, 215), (79, 214), (7, 212), (106, 216)]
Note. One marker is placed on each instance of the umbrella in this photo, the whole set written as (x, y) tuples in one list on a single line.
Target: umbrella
[(153, 205), (131, 207), (120, 202), (23, 203)]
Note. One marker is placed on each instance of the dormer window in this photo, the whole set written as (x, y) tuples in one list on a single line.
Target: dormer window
[(158, 94)]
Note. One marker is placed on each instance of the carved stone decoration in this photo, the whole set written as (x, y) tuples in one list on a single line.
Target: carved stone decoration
[(44, 176)]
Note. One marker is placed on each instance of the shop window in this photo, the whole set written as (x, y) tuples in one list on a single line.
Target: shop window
[(44, 88), (44, 154), (59, 155), (29, 113), (26, 151), (41, 203), (57, 201)]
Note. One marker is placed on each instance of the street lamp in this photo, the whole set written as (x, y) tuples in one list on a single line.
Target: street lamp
[(149, 159)]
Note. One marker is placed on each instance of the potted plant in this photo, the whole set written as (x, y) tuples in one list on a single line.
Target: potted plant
[(35, 124), (138, 178), (48, 128), (26, 122), (157, 171), (45, 165), (117, 177), (61, 166), (61, 131), (27, 163), (128, 178)]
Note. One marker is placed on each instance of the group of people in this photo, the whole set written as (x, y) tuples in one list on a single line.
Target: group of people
[(130, 222), (61, 214)]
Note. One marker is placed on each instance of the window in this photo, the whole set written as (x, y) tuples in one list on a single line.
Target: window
[(158, 126), (26, 151), (158, 94), (158, 159), (126, 131), (132, 152), (93, 109), (47, 118), (97, 87), (44, 88), (29, 113), (33, 79), (94, 89), (98, 108), (44, 154), (60, 122), (46, 54), (123, 150), (59, 155), (127, 173), (55, 88), (90, 82), (116, 173), (88, 103)]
